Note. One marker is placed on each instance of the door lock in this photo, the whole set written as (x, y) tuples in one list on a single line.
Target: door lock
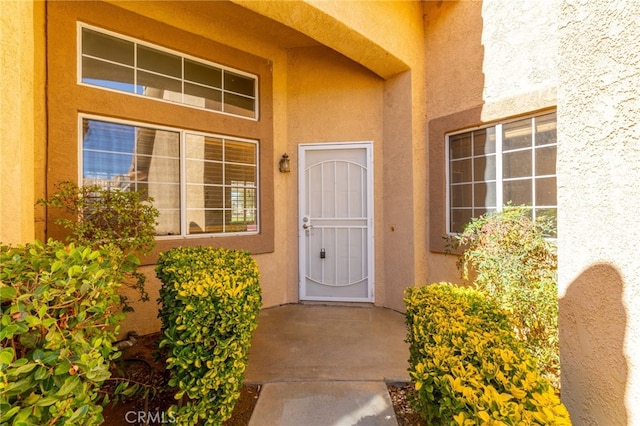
[(323, 253), (306, 224)]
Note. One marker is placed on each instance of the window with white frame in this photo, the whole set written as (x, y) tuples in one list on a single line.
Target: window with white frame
[(511, 162), (120, 63), (200, 183)]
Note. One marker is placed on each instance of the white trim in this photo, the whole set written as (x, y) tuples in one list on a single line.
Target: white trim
[(302, 149)]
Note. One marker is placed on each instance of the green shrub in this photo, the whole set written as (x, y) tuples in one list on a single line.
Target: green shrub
[(60, 311), (509, 258), (467, 365), (94, 216), (210, 304)]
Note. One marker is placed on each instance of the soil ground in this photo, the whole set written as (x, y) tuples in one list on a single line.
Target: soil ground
[(141, 363)]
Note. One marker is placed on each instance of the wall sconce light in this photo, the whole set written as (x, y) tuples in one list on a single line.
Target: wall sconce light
[(284, 164)]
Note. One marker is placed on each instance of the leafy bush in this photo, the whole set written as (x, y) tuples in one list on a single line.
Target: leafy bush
[(468, 366), (94, 215), (509, 258), (60, 311), (210, 303)]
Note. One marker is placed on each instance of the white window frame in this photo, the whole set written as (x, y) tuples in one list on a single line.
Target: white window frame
[(499, 179), (183, 167), (183, 56)]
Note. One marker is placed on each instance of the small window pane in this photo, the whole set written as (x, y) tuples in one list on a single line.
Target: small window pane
[(204, 196), (204, 172), (236, 173), (518, 192), (459, 218), (205, 221), (159, 62), (546, 129), (239, 84), (546, 161), (484, 168), (105, 74), (107, 47), (157, 86), (516, 164), (166, 195), (484, 195), (239, 105), (161, 169), (168, 223), (461, 171), (239, 152), (460, 146), (204, 97), (99, 135), (243, 204), (484, 141), (461, 195), (202, 74), (105, 165), (546, 190), (516, 135), (204, 147)]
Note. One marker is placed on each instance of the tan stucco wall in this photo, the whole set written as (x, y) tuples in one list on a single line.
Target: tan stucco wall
[(598, 174), (320, 95), (386, 38), (22, 117), (370, 33), (485, 61)]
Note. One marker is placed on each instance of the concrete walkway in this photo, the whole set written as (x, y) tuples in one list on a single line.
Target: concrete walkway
[(327, 365)]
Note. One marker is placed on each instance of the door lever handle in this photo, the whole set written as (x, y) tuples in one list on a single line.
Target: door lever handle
[(305, 223)]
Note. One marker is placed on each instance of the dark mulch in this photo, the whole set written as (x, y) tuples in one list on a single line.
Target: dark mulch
[(140, 363), (400, 395)]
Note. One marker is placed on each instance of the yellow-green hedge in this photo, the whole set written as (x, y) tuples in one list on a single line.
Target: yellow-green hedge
[(467, 365), (210, 304)]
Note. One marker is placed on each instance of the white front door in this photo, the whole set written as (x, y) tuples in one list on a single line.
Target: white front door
[(336, 221)]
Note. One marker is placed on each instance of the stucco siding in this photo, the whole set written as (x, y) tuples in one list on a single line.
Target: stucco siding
[(520, 40), (485, 62), (598, 172), (22, 117)]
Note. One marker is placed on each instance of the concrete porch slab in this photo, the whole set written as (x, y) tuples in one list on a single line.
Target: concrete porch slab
[(326, 342)]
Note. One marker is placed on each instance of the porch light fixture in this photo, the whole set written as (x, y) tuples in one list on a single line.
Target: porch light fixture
[(284, 165)]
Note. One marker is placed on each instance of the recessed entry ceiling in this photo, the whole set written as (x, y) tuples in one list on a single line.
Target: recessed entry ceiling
[(239, 17)]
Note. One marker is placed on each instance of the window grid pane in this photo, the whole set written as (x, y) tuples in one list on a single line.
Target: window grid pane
[(222, 185), (486, 173), (109, 61), (221, 196), (472, 176)]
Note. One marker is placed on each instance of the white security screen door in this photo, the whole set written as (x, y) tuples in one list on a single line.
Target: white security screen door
[(336, 222)]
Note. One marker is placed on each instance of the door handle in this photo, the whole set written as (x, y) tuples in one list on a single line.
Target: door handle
[(305, 223)]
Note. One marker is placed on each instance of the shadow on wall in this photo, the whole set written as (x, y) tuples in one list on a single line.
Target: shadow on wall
[(593, 321)]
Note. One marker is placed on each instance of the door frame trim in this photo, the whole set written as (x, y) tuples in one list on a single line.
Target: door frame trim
[(302, 149)]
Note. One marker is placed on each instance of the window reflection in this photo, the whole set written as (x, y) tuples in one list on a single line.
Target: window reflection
[(487, 171), (116, 63)]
